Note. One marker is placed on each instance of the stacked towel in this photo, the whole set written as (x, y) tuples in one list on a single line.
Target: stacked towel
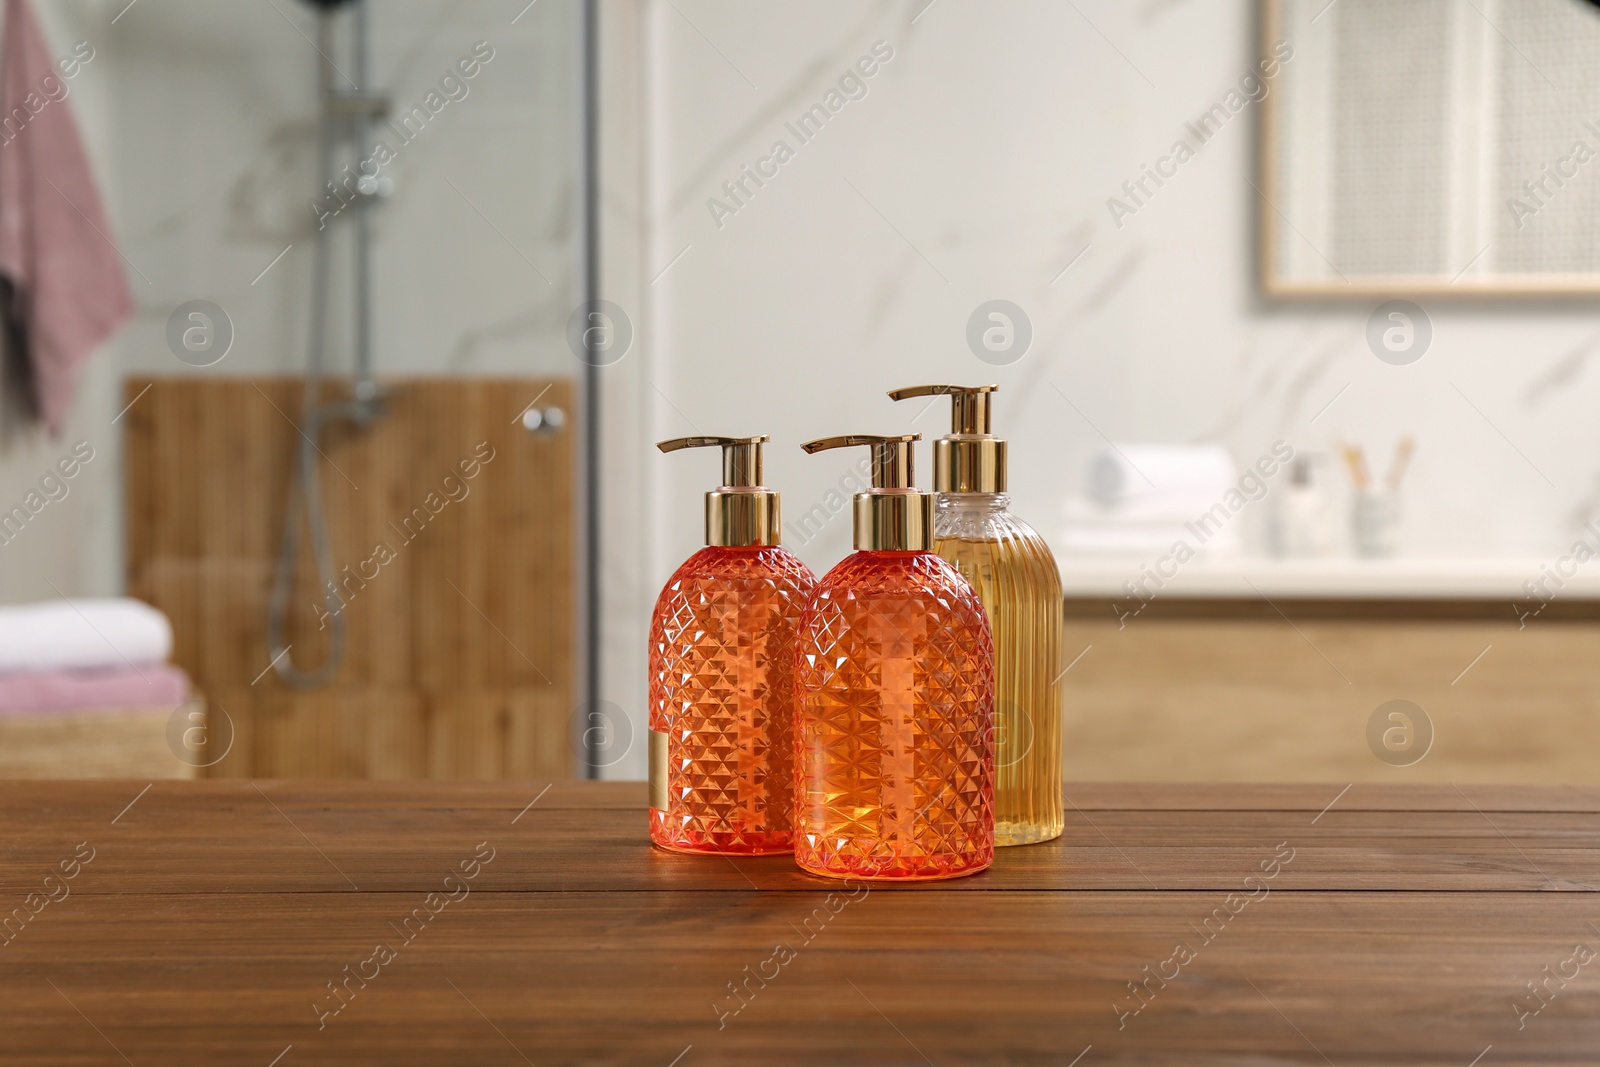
[(82, 633), (153, 685), (66, 654), (1145, 498)]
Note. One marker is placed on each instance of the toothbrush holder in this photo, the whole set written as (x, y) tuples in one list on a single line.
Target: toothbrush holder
[(1375, 522)]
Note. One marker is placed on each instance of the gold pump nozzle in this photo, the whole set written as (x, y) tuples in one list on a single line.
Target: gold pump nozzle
[(891, 456), (894, 515), (970, 459), (741, 512)]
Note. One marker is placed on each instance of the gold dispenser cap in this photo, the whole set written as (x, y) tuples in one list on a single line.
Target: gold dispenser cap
[(971, 459), (892, 516), (741, 512)]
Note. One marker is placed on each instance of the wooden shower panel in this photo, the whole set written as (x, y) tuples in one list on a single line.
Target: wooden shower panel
[(459, 591)]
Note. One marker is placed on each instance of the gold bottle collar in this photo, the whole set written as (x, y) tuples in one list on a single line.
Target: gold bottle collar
[(742, 518), (894, 520), (969, 465)]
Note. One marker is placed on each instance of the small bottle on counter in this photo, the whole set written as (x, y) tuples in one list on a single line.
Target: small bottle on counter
[(1301, 525)]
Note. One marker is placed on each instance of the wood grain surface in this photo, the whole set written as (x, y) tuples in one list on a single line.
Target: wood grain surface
[(1400, 927), (1249, 697), (460, 651)]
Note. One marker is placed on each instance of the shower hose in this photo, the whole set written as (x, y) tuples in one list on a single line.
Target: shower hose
[(305, 504)]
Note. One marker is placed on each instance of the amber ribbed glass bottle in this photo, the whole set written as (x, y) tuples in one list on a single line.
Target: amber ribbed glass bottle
[(1016, 578)]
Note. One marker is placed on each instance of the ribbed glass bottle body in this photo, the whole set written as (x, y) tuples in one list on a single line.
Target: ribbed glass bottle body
[(1015, 576)]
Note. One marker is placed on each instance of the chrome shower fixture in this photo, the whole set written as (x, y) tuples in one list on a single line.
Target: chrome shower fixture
[(348, 109)]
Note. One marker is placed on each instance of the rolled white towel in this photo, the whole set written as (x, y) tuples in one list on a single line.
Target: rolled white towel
[(1123, 473), (82, 633)]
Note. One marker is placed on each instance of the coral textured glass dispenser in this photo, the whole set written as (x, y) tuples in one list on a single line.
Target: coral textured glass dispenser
[(1015, 576), (722, 648), (895, 675)]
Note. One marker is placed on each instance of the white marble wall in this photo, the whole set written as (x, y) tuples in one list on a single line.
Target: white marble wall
[(979, 165)]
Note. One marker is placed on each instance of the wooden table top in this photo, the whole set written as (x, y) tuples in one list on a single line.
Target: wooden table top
[(524, 923)]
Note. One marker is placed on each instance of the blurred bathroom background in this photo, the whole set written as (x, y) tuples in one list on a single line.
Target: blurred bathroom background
[(1291, 305)]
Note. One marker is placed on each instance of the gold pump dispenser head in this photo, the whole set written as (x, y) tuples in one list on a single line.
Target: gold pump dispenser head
[(970, 459), (894, 515), (741, 512)]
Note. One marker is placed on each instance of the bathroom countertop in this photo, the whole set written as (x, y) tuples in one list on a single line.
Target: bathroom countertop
[(1334, 577), (285, 923)]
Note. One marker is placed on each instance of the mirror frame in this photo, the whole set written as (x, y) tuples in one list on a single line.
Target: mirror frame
[(1275, 284)]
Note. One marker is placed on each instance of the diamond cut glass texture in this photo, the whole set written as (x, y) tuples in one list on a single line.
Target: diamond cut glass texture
[(722, 691), (894, 765)]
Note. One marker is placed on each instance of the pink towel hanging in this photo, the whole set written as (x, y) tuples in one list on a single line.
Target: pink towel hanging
[(68, 293)]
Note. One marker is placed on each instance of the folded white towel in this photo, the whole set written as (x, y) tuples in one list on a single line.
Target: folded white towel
[(1122, 473), (82, 633)]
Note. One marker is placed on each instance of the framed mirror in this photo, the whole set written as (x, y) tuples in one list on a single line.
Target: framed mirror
[(1431, 147)]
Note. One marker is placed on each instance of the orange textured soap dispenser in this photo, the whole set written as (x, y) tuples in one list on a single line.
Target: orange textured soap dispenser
[(722, 653), (893, 760)]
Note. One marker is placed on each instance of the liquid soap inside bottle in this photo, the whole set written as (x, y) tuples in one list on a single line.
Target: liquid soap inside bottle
[(895, 722), (1015, 576)]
